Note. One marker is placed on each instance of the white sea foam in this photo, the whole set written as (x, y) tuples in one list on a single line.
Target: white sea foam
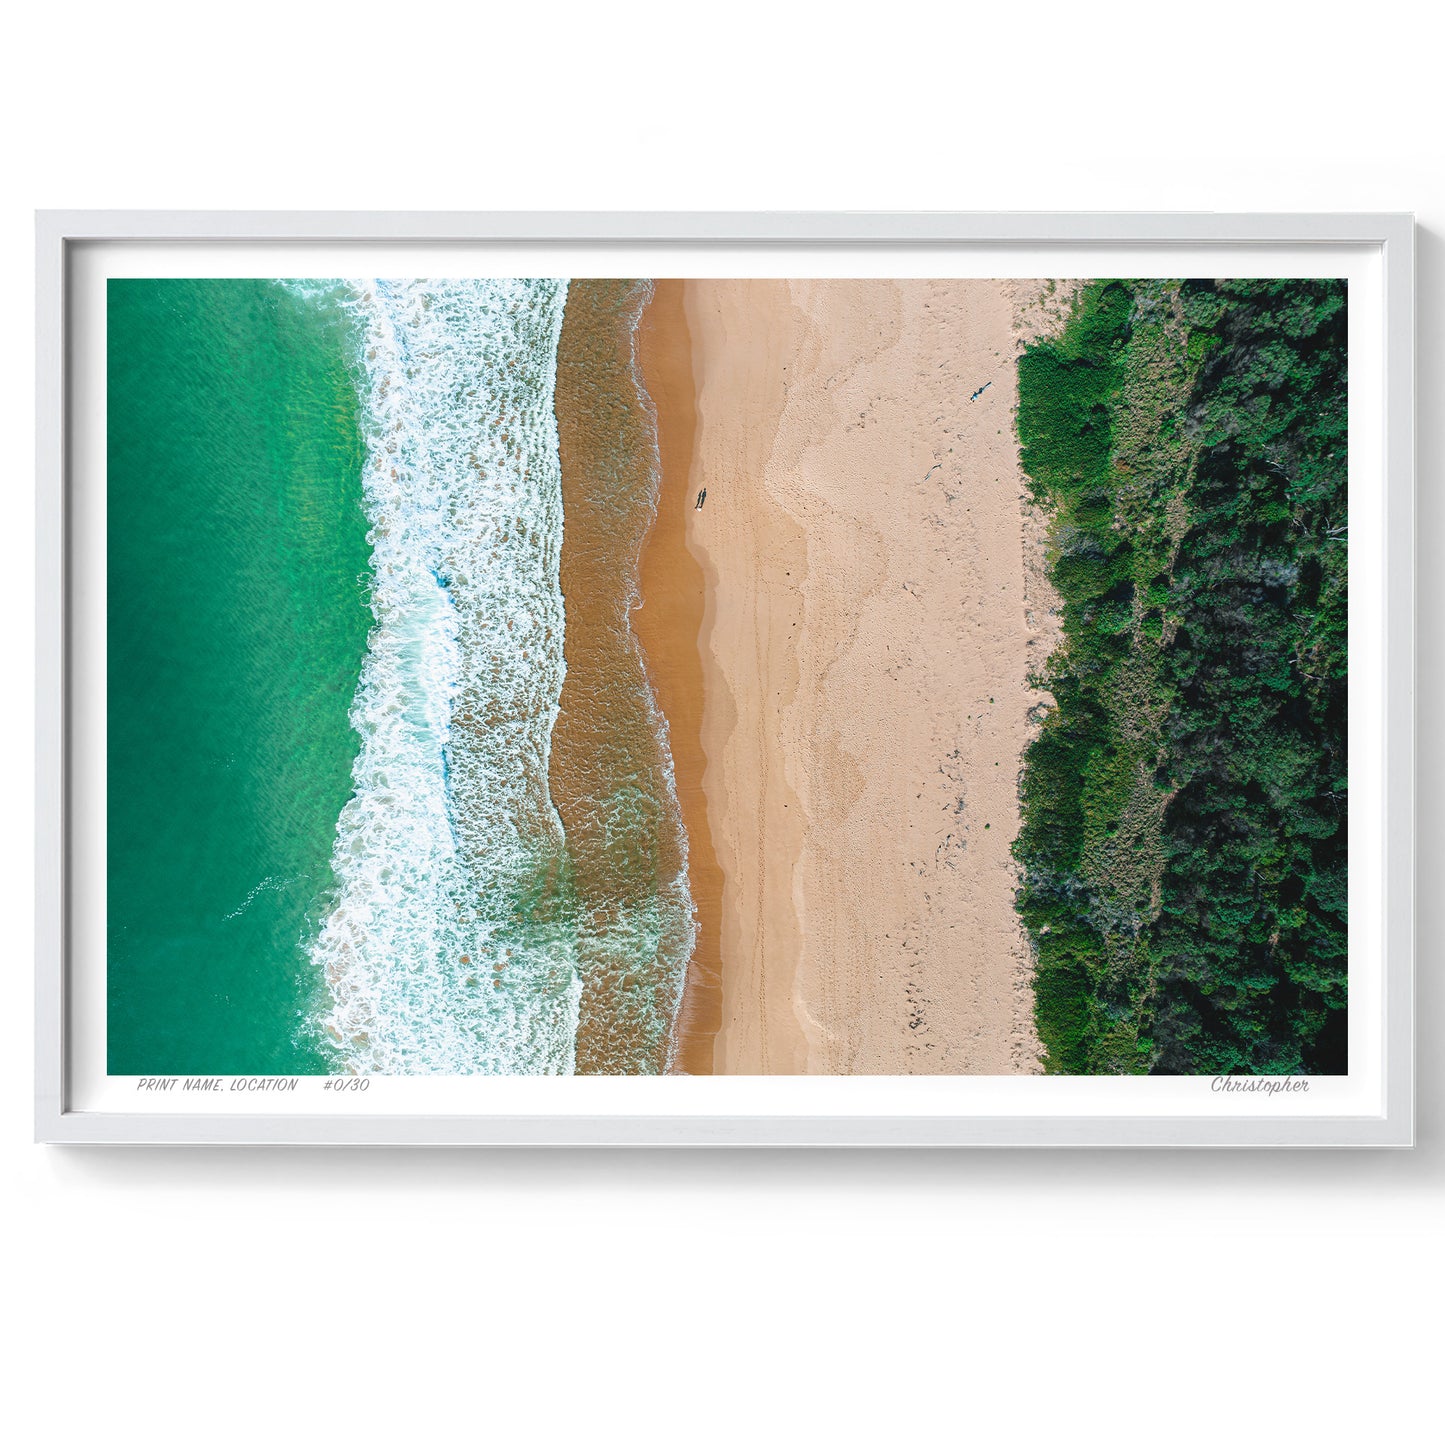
[(444, 951)]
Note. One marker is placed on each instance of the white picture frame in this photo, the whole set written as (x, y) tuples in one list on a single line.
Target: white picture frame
[(744, 1117)]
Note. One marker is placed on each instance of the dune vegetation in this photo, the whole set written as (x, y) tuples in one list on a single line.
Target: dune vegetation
[(1183, 840)]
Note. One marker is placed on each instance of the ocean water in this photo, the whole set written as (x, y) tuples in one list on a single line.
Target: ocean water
[(428, 909), (612, 773), (237, 624), (451, 947)]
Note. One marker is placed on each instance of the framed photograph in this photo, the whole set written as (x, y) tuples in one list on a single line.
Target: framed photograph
[(725, 679)]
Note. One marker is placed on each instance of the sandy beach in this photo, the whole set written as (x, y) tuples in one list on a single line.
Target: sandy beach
[(669, 624), (841, 638)]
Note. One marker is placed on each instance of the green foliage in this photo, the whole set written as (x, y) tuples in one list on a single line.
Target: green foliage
[(1183, 831), (1065, 435)]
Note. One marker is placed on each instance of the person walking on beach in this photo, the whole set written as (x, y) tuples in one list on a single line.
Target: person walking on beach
[(981, 391), (701, 498)]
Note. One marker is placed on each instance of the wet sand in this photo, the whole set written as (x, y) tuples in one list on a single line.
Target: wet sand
[(669, 624)]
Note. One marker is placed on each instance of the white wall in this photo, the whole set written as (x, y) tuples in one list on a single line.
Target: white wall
[(276, 1297)]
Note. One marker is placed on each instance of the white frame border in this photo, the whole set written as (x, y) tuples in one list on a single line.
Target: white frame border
[(56, 231)]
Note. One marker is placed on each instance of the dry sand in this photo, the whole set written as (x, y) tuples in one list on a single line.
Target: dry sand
[(864, 590)]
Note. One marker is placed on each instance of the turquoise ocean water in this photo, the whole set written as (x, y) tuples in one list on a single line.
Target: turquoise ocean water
[(335, 660), (238, 619)]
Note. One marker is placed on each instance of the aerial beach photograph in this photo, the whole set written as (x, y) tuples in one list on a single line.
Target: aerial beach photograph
[(721, 699), (727, 676)]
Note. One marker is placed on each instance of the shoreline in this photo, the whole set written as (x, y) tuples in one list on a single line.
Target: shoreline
[(608, 771)]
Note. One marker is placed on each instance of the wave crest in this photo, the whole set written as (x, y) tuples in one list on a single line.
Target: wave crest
[(450, 946)]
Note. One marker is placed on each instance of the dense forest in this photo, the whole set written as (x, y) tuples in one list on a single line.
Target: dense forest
[(1183, 841)]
